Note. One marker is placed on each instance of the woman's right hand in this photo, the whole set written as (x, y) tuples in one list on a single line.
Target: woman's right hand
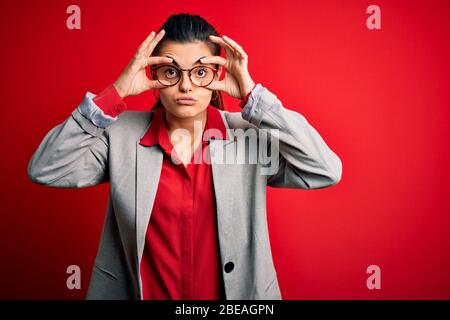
[(133, 80)]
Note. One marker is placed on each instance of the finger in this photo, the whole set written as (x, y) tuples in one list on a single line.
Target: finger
[(222, 43), (235, 46), (214, 60), (155, 84), (226, 46), (154, 42), (146, 42), (217, 85), (157, 60)]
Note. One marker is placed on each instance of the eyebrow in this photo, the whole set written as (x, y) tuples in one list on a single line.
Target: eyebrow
[(178, 65)]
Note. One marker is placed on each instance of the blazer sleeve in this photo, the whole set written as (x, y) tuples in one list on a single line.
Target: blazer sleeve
[(74, 154), (304, 159)]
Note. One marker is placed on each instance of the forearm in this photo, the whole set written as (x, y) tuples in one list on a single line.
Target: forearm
[(306, 160)]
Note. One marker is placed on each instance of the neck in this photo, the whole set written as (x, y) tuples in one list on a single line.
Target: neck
[(174, 122)]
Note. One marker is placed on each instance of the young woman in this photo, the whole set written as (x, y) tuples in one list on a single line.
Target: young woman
[(177, 227)]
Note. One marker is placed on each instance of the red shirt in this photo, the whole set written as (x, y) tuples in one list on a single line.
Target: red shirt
[(181, 257)]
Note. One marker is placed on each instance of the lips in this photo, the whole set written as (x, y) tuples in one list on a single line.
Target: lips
[(185, 98), (186, 101)]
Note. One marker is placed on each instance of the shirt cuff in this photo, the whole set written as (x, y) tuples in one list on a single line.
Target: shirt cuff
[(247, 108), (110, 101), (244, 101), (92, 112)]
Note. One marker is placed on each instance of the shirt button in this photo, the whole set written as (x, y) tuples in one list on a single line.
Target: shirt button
[(229, 266), (119, 107)]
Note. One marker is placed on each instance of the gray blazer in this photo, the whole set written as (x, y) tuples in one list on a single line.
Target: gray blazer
[(90, 148)]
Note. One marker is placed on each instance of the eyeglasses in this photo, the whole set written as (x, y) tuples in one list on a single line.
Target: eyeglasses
[(200, 76)]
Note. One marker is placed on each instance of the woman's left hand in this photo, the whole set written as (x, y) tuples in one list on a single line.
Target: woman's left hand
[(237, 82)]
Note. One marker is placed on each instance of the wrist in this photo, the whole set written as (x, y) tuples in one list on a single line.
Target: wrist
[(120, 92), (246, 88), (245, 99)]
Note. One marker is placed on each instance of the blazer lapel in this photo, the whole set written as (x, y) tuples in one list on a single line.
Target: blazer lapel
[(148, 170), (224, 177)]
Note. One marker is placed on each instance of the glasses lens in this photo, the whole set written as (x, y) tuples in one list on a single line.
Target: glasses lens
[(202, 76), (167, 75)]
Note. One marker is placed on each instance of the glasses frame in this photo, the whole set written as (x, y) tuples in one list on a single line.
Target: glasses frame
[(153, 70)]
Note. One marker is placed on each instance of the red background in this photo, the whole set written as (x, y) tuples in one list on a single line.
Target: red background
[(379, 98)]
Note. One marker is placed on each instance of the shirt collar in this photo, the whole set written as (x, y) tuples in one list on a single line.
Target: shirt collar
[(157, 132)]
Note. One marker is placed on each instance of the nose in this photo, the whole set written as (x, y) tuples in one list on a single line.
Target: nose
[(185, 82)]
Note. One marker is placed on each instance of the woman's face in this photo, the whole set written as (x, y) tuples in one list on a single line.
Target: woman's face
[(187, 56)]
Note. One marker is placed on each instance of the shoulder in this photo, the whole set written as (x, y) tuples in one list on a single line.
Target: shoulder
[(234, 120), (131, 123)]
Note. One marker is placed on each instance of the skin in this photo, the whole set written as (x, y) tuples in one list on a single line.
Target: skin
[(237, 83)]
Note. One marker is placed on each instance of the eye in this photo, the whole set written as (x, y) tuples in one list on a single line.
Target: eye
[(170, 72), (201, 72)]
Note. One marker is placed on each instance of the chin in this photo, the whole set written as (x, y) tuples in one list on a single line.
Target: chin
[(185, 111)]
